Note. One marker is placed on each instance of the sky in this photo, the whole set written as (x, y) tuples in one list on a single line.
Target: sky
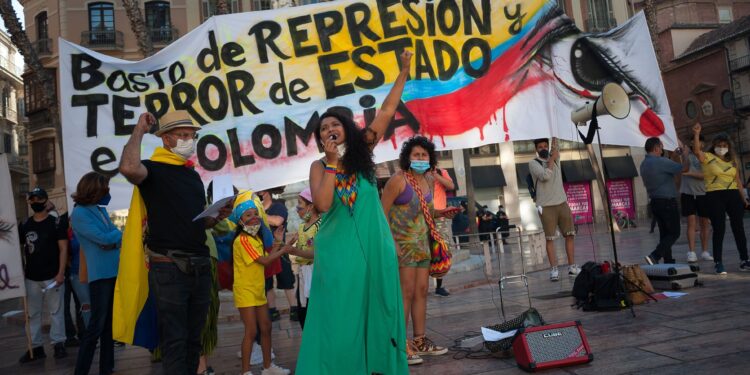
[(19, 13)]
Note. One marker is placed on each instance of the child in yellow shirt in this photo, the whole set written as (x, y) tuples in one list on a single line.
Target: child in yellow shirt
[(253, 249)]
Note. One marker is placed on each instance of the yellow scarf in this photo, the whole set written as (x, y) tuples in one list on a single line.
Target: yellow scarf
[(131, 287)]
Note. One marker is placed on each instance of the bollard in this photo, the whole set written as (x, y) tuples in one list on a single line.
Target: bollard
[(487, 259)]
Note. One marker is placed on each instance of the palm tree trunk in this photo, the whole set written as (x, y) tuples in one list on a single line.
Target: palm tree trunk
[(138, 25), (649, 7), (222, 7), (41, 75)]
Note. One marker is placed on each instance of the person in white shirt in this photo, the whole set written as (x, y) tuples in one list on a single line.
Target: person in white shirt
[(553, 204)]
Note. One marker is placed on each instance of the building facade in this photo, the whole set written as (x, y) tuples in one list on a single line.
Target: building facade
[(498, 169), (12, 129), (102, 26), (705, 56)]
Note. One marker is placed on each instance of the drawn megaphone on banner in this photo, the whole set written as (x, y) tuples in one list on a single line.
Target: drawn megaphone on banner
[(613, 101)]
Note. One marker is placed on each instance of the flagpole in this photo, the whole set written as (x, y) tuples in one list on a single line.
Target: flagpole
[(27, 327)]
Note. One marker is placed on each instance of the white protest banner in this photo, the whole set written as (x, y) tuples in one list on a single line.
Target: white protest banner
[(484, 71), (11, 269)]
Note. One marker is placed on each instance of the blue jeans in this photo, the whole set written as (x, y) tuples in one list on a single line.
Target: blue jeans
[(667, 217), (82, 292), (182, 306), (102, 294)]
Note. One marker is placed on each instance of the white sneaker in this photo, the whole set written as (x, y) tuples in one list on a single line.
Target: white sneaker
[(256, 357), (574, 270), (691, 257), (554, 274), (247, 373), (706, 256), (275, 370)]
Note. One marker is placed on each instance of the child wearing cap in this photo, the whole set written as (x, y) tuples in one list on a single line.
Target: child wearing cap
[(303, 250), (254, 248)]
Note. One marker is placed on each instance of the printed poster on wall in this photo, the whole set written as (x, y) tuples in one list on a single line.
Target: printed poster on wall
[(579, 200), (484, 71), (621, 200), (11, 270)]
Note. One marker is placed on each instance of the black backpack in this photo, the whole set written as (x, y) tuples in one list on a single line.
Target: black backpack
[(531, 184), (594, 290)]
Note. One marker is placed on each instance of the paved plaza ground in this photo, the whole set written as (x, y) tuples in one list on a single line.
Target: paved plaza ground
[(707, 331)]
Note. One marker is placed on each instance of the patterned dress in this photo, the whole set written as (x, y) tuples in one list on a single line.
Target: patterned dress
[(409, 228)]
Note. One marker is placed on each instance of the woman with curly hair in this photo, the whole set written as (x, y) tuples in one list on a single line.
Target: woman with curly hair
[(354, 321), (402, 203)]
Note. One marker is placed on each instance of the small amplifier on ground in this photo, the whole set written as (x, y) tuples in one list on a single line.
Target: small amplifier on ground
[(549, 346)]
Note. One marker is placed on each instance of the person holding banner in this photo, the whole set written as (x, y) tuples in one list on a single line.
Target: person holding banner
[(355, 321), (407, 198), (100, 242), (168, 195), (552, 204), (45, 254)]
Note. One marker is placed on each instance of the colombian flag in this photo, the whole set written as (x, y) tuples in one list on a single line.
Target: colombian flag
[(134, 319)]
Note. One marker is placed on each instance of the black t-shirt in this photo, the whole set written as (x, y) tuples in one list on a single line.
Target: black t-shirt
[(173, 195), (41, 252)]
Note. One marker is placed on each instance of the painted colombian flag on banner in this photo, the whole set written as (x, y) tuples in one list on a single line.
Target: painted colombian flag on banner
[(134, 319)]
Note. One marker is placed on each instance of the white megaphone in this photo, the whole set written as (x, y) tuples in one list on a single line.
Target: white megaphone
[(613, 101)]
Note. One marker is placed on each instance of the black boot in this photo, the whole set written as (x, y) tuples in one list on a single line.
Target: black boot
[(38, 354)]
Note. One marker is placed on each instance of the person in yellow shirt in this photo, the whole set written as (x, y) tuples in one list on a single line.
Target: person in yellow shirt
[(723, 195), (254, 248), (304, 251)]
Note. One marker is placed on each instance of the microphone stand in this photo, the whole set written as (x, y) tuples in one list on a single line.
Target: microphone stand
[(622, 280)]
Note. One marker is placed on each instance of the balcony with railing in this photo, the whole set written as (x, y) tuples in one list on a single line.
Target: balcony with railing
[(163, 35), (742, 102), (9, 114), (739, 63), (43, 47), (9, 65), (102, 39), (600, 25), (18, 164)]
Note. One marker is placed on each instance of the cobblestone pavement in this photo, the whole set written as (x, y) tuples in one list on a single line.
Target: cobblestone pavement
[(706, 331)]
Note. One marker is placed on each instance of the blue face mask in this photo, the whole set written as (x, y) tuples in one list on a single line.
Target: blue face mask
[(420, 166), (105, 200)]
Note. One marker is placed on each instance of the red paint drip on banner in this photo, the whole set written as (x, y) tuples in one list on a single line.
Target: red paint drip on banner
[(505, 126), (473, 105)]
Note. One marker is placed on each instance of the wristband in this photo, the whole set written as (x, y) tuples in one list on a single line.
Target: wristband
[(330, 169)]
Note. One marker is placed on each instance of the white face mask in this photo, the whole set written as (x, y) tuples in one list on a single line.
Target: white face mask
[(251, 229), (184, 148), (721, 151), (341, 149)]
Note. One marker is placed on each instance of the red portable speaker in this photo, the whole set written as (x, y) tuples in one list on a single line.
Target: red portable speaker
[(554, 345)]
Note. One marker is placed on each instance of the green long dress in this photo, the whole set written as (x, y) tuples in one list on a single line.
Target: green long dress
[(355, 318)]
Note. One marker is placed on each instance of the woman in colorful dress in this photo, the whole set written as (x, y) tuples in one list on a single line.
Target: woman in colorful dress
[(402, 203), (354, 321), (723, 196)]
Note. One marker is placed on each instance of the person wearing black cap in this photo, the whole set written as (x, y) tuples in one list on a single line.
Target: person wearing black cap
[(45, 254)]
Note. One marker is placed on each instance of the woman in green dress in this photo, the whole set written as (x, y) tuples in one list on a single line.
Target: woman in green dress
[(355, 321)]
